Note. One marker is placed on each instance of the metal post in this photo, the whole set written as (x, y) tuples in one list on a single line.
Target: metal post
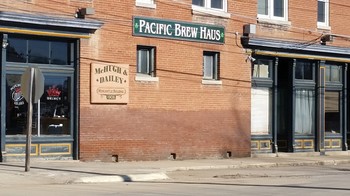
[(29, 121), (3, 99)]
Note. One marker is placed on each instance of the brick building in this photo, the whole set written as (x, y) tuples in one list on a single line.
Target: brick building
[(157, 79)]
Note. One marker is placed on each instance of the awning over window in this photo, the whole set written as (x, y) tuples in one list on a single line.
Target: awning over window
[(38, 24), (308, 50)]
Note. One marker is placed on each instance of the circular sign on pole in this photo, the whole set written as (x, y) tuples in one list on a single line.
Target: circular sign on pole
[(38, 84)]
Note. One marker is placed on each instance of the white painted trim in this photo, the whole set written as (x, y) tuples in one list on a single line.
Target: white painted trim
[(275, 22), (146, 78), (208, 11), (322, 27), (271, 16), (146, 5), (212, 82)]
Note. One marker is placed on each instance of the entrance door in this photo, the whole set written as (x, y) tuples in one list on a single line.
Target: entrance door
[(296, 105)]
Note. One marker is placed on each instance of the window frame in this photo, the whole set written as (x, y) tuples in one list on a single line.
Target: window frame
[(146, 3), (302, 63), (313, 106), (270, 11), (150, 76), (27, 42), (340, 111), (269, 69), (215, 66), (150, 67), (208, 10), (207, 5), (326, 14), (330, 70), (264, 83)]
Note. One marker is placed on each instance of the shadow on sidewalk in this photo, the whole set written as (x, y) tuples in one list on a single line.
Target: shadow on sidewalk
[(11, 167)]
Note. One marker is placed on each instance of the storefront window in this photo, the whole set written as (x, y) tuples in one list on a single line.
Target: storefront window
[(332, 112), (333, 73), (17, 50), (55, 106), (52, 112), (59, 53), (261, 111), (261, 68), (38, 51), (16, 115), (304, 70), (304, 111)]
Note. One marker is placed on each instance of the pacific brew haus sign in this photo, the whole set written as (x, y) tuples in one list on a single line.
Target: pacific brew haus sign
[(178, 30)]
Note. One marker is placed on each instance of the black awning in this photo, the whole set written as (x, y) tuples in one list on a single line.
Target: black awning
[(294, 46), (57, 25)]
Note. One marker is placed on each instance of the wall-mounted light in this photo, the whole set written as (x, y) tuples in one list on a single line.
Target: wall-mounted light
[(82, 12), (326, 38), (249, 29), (250, 58)]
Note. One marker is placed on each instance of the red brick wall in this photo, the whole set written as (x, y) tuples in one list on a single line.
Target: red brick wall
[(178, 114)]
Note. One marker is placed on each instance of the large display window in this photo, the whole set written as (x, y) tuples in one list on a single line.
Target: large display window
[(51, 115)]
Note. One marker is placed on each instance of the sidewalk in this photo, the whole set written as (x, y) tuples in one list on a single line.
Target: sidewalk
[(61, 172)]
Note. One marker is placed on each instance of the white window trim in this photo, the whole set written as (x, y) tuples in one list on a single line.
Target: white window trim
[(270, 15), (211, 82), (215, 68), (275, 22), (146, 3), (211, 11), (145, 78), (150, 61), (324, 25)]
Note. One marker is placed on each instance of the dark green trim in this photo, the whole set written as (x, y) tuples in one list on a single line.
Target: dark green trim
[(291, 141), (76, 103), (320, 146), (345, 110), (274, 106)]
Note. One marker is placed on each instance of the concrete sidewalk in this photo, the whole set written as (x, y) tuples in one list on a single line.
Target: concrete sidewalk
[(60, 172)]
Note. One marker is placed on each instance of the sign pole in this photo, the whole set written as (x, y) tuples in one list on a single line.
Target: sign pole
[(29, 121)]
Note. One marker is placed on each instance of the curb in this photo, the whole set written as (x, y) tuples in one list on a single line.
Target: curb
[(261, 165), (163, 176), (122, 178)]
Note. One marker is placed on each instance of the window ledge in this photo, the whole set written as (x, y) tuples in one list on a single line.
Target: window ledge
[(212, 82), (207, 11), (324, 27), (146, 78), (274, 21), (146, 5)]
